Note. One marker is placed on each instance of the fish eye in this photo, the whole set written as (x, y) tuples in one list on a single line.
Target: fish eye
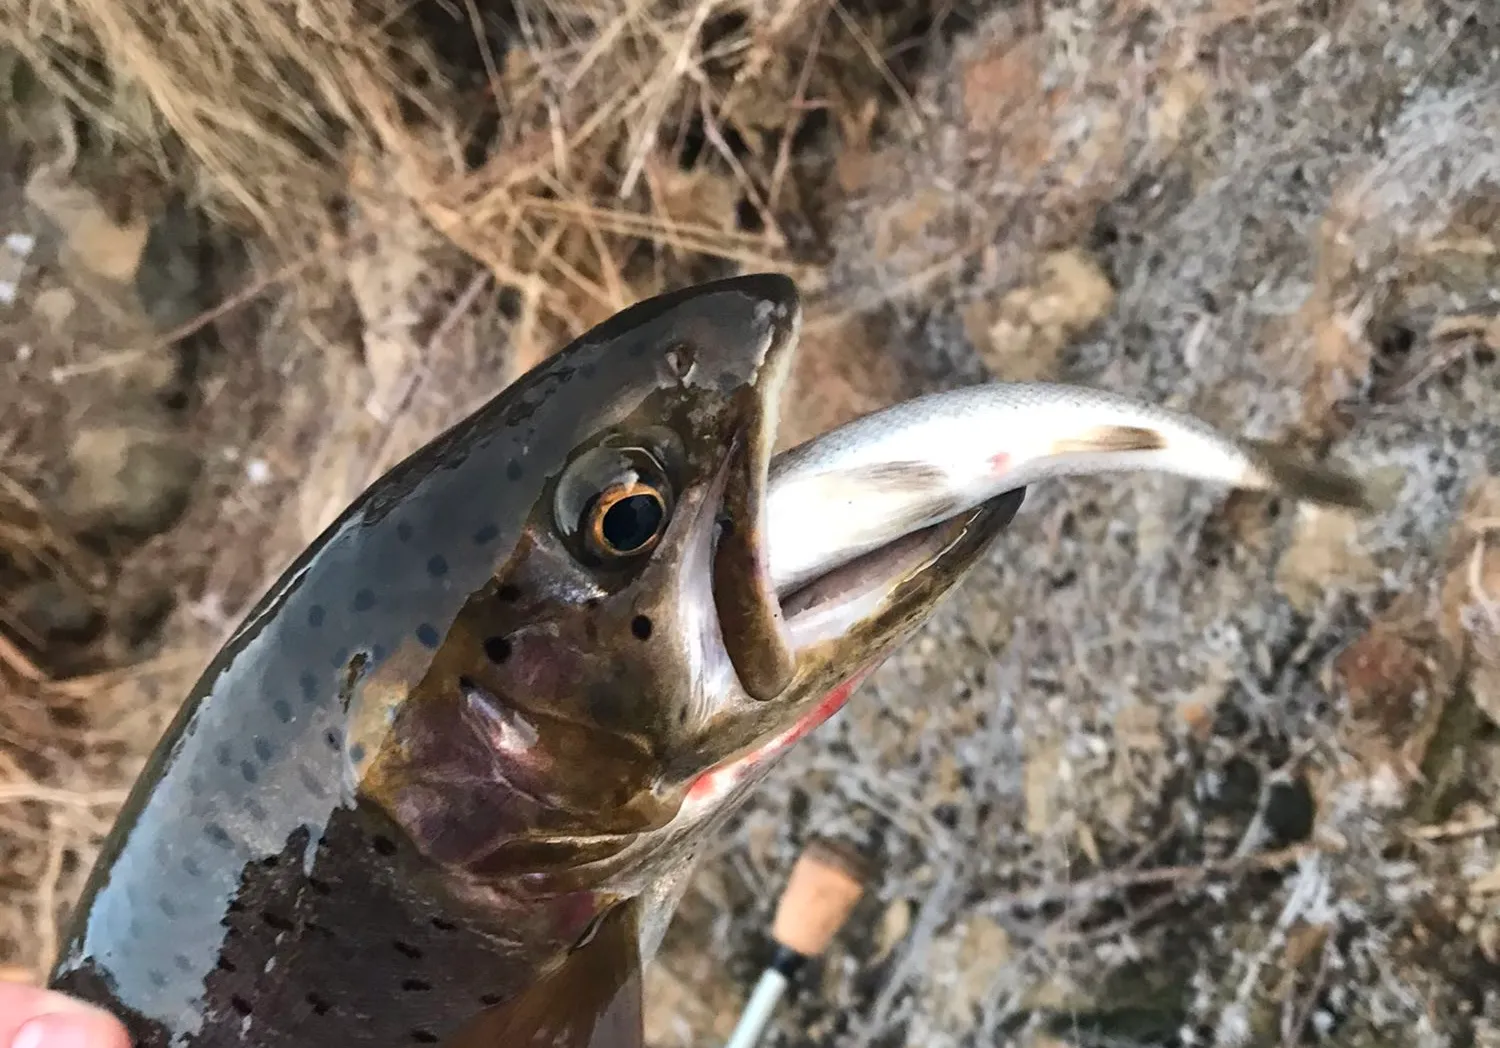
[(625, 520), (614, 502)]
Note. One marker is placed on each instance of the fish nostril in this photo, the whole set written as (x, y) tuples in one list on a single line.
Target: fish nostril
[(641, 627), (508, 593), (318, 1004), (497, 649), (383, 845)]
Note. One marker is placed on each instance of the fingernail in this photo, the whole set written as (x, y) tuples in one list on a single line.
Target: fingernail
[(57, 1031)]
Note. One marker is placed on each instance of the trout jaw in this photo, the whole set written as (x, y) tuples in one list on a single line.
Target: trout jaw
[(842, 626)]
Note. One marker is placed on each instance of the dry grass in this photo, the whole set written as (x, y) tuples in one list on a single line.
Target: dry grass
[(548, 145)]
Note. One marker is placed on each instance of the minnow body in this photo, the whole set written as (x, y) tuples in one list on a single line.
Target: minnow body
[(446, 781), (920, 461)]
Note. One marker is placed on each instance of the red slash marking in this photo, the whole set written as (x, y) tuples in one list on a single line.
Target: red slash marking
[(830, 704), (999, 463)]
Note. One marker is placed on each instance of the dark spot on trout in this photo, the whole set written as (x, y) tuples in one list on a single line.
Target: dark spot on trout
[(309, 685), (270, 862), (415, 985), (423, 1037), (407, 950), (489, 1000), (250, 772), (437, 565), (283, 710), (217, 834), (485, 535), (383, 845), (513, 471), (157, 979), (311, 783), (403, 532), (318, 1005), (276, 921), (183, 962), (223, 754), (315, 615), (641, 627), (331, 736), (235, 906), (377, 653), (224, 964), (319, 886), (357, 752), (444, 926), (263, 750), (255, 810), (496, 649), (427, 636), (240, 1005), (364, 600), (168, 908), (509, 593), (190, 866)]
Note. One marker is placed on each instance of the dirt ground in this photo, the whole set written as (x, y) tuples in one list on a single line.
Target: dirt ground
[(1173, 768)]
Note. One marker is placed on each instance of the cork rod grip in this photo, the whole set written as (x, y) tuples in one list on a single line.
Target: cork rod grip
[(824, 887)]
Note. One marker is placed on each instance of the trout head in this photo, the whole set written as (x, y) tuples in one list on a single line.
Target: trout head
[(621, 670)]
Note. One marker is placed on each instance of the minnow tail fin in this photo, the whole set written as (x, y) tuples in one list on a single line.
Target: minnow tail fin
[(1283, 472), (1106, 439)]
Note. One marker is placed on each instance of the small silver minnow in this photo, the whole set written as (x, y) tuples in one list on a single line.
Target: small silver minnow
[(921, 461)]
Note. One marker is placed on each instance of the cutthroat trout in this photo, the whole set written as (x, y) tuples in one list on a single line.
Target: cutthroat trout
[(445, 783)]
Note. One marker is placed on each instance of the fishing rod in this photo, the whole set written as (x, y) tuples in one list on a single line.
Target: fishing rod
[(825, 884)]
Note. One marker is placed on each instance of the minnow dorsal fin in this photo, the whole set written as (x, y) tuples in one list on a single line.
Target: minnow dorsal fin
[(594, 999), (1108, 439)]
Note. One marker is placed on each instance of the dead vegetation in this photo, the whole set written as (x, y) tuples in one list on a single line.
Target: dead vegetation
[(268, 249)]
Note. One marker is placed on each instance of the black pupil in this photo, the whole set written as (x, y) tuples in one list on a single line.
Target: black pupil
[(631, 522)]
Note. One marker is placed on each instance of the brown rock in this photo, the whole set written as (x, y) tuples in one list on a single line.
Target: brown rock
[(841, 371), (132, 474), (1387, 678), (93, 239), (1020, 336), (1324, 550)]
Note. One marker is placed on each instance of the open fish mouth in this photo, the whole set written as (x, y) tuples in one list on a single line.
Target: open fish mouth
[(737, 665)]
